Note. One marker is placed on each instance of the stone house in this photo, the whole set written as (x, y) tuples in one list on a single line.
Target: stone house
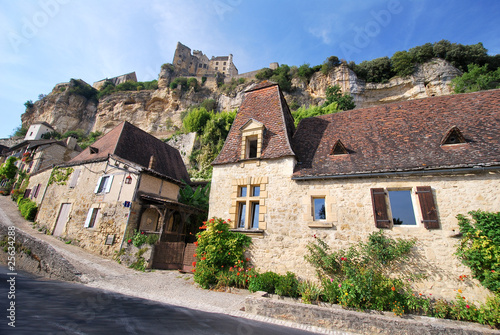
[(36, 153), (406, 167), (127, 180)]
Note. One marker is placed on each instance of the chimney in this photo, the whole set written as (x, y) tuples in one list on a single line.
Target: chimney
[(71, 143), (152, 162)]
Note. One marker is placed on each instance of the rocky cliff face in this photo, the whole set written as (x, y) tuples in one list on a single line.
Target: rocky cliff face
[(62, 110), (159, 112)]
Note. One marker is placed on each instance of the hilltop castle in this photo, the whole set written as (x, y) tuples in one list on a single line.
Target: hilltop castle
[(198, 64)]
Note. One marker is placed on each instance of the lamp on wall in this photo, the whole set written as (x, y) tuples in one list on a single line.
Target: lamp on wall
[(128, 179)]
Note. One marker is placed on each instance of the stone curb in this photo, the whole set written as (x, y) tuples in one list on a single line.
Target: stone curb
[(336, 318)]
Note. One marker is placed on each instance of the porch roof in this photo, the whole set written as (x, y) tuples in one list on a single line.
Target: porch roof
[(168, 202)]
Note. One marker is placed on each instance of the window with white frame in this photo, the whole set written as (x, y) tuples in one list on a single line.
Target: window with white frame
[(92, 216), (319, 209), (104, 184)]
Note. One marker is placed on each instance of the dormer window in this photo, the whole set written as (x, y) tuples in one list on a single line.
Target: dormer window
[(93, 150), (453, 136), (339, 149), (252, 134)]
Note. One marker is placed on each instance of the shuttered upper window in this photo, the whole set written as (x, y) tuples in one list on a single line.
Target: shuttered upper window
[(104, 184), (399, 206)]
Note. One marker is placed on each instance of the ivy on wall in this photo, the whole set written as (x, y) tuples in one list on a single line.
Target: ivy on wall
[(60, 175)]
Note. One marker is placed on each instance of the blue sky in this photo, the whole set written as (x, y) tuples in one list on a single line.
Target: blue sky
[(46, 42)]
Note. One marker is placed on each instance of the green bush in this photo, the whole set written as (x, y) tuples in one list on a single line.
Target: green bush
[(264, 282), (476, 78), (27, 208), (480, 247), (79, 87), (196, 120), (287, 285)]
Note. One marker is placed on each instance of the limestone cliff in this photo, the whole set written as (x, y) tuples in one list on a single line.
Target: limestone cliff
[(63, 110), (159, 111)]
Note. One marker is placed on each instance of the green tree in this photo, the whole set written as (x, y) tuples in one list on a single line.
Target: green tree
[(477, 78), (19, 131), (29, 104), (403, 64), (264, 74), (334, 95), (329, 64), (8, 169), (196, 120)]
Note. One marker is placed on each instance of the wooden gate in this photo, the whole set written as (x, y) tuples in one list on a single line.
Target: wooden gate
[(168, 255)]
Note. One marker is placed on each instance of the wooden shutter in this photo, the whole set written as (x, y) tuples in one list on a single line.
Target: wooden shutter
[(74, 179), (428, 207), (89, 216), (97, 186), (27, 193), (380, 208), (37, 190), (107, 187)]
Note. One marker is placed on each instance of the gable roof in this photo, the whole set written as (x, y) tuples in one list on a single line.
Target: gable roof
[(265, 104), (135, 145), (402, 136)]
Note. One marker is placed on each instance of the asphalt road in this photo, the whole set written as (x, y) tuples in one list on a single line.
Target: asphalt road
[(52, 307)]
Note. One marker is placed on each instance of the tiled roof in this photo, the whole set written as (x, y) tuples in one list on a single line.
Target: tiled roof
[(264, 103), (135, 145), (402, 136)]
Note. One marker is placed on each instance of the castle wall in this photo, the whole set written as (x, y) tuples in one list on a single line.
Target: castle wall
[(289, 225)]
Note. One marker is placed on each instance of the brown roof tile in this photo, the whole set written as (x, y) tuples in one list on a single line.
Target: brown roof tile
[(265, 104), (402, 136), (135, 145)]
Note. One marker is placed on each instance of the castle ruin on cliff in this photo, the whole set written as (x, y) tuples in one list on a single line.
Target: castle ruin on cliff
[(198, 64)]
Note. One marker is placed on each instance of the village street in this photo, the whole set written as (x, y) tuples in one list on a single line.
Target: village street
[(169, 287)]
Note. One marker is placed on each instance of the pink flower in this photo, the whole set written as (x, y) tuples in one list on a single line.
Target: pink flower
[(129, 241), (331, 280), (340, 285), (467, 306)]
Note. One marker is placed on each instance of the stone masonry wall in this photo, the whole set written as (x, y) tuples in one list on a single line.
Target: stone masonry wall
[(112, 218), (349, 219)]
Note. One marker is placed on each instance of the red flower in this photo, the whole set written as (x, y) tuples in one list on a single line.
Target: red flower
[(129, 240), (231, 268), (194, 255), (247, 259), (142, 233), (194, 263), (393, 288), (203, 258), (238, 274), (196, 243)]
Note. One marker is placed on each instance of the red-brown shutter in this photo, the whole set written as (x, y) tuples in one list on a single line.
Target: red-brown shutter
[(428, 207), (36, 190), (380, 208)]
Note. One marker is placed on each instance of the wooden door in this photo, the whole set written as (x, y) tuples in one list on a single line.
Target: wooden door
[(62, 219)]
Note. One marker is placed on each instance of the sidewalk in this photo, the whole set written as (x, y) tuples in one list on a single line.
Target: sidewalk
[(171, 287)]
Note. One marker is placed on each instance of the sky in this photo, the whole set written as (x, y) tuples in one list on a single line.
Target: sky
[(46, 42)]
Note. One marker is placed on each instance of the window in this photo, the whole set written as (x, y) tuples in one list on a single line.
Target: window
[(255, 191), (91, 218), (255, 215), (246, 199), (104, 184), (224, 63), (319, 210), (216, 67), (402, 208), (252, 147), (397, 207), (216, 63), (242, 214)]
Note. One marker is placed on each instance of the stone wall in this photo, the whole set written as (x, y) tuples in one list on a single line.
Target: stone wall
[(349, 219)]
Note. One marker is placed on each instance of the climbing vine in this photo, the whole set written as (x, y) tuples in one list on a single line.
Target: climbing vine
[(60, 175)]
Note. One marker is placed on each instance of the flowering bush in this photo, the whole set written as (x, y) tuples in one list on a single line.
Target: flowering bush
[(140, 237), (220, 251)]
